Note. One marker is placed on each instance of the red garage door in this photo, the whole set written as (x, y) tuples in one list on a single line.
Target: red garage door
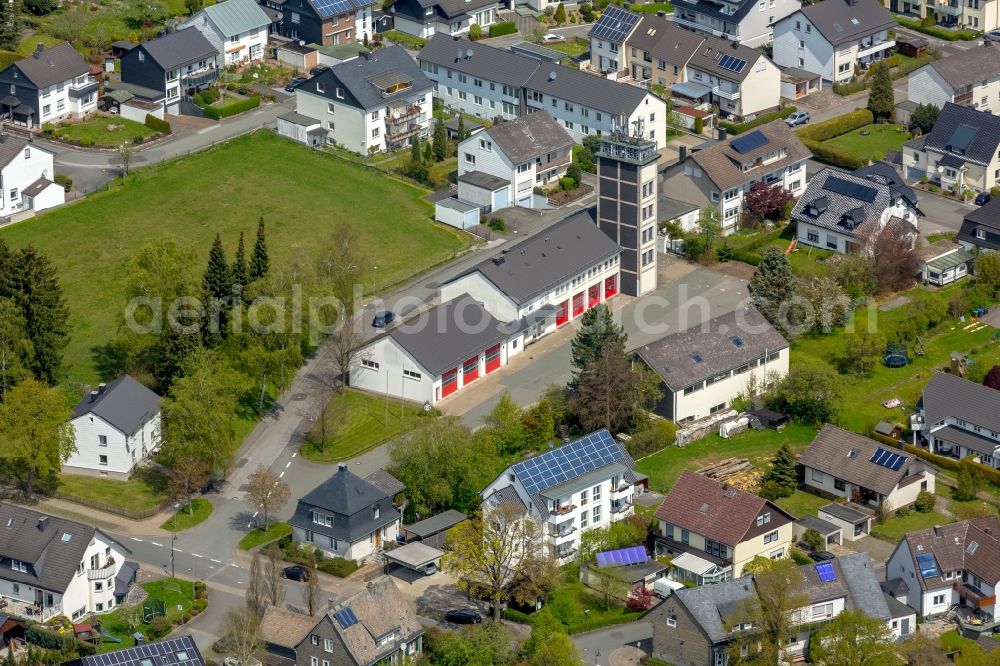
[(593, 295), (449, 382), (562, 313), (492, 359), (578, 304), (470, 370), (611, 286)]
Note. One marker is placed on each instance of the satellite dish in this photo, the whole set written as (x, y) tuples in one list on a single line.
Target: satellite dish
[(459, 55), (552, 76), (468, 53), (395, 115)]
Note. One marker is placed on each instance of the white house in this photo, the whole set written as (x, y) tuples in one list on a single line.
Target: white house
[(26, 177), (424, 18), (961, 151), (843, 464), (748, 22), (742, 81), (832, 37), (939, 567), (970, 78), (51, 566), (116, 427), (501, 166), (47, 86), (379, 101), (959, 418), (703, 368), (585, 484), (236, 28)]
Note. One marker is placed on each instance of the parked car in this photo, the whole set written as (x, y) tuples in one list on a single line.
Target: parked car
[(383, 319), (797, 118), (822, 556), (462, 616), (993, 35), (982, 198), (428, 569), (318, 69), (296, 572), (551, 37), (294, 83), (664, 587)]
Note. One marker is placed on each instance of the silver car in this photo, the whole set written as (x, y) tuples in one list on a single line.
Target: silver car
[(797, 118)]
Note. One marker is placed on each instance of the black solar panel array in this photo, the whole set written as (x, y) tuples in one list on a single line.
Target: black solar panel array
[(568, 462), (732, 63), (850, 189), (180, 651), (615, 24), (751, 141)]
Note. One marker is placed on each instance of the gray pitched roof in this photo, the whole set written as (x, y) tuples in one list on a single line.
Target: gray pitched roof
[(11, 146), (897, 609), (439, 523), (948, 395), (706, 58), (970, 440), (527, 137), (234, 17), (724, 343), (124, 403), (350, 499), (53, 65), (849, 512), (483, 179), (711, 605), (966, 133), (863, 586), (360, 75), (663, 39), (811, 522), (380, 609), (37, 539), (36, 187), (452, 8), (842, 21), (538, 264), (971, 65), (579, 87), (670, 209), (345, 492), (885, 174), (179, 48), (386, 482), (825, 206), (951, 546), (486, 62)]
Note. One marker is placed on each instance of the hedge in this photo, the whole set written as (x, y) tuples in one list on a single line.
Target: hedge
[(218, 113), (936, 31), (37, 634), (338, 566), (404, 39), (984, 471), (503, 28), (157, 125), (828, 129), (739, 128), (933, 458), (601, 622)]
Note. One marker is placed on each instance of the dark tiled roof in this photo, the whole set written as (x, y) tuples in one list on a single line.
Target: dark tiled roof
[(487, 63), (285, 628), (53, 65), (706, 58), (719, 10), (865, 593), (728, 513), (981, 132), (897, 609), (947, 395), (380, 610), (179, 651), (665, 40), (721, 162), (670, 209), (350, 499), (712, 605), (506, 495), (823, 207), (595, 92), (950, 545), (849, 512), (842, 21), (970, 440), (969, 66), (529, 136), (179, 48), (816, 523), (451, 8), (36, 187), (125, 403), (847, 456), (13, 146), (483, 179), (358, 75), (724, 343), (538, 264), (984, 216), (884, 174), (435, 524)]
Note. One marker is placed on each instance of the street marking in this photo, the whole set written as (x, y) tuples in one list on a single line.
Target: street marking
[(178, 550), (156, 544), (255, 513), (295, 454), (281, 475), (135, 539), (196, 555), (288, 464), (216, 561)]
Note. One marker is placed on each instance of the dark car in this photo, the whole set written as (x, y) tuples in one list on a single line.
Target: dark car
[(296, 572), (318, 69), (383, 319), (294, 83), (463, 617), (982, 198), (822, 556)]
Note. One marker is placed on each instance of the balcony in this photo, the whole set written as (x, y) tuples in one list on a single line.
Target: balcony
[(621, 507), (565, 553), (85, 86), (622, 487), (107, 571), (199, 78), (541, 167), (974, 597), (401, 115), (721, 92), (876, 48), (948, 10), (562, 533), (701, 27), (31, 611), (562, 509)]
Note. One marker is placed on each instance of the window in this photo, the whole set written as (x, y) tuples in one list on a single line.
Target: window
[(478, 100), (715, 197), (314, 639), (99, 586), (370, 364), (763, 519), (295, 19), (27, 153), (647, 257), (817, 475), (981, 234), (843, 67), (411, 374), (583, 518), (98, 607), (314, 661), (375, 132), (596, 493), (375, 512), (831, 242), (798, 25), (938, 599), (102, 460), (485, 145), (569, 125), (17, 565), (470, 158), (320, 87), (172, 93), (771, 537), (812, 237), (685, 536), (839, 484), (671, 620), (809, 28), (597, 514), (462, 96), (647, 234), (327, 645), (47, 109), (80, 568)]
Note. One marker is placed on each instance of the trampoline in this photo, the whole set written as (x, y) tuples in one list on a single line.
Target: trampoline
[(896, 355)]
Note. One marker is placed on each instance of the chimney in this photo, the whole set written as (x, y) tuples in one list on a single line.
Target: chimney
[(341, 467), (42, 522), (102, 387), (682, 153), (661, 13), (937, 531), (38, 50), (723, 134), (93, 396)]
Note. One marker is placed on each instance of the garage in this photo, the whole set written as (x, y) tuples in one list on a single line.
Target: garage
[(578, 304), (610, 287), (493, 358), (449, 383), (593, 295), (431, 531), (416, 556), (831, 533), (470, 370), (562, 313)]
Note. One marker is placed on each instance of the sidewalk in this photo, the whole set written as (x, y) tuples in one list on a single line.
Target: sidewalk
[(104, 520)]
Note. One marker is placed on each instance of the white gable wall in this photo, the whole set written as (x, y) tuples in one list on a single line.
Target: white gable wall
[(30, 164), (121, 453), (478, 287)]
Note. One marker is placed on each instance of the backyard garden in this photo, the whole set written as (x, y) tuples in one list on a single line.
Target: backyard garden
[(168, 602), (872, 141), (102, 131)]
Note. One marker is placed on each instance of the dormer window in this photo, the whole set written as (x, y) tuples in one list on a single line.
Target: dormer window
[(375, 512), (320, 87), (340, 93)]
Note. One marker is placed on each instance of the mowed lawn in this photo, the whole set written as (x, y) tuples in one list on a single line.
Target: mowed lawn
[(301, 194), (880, 140), (105, 131)]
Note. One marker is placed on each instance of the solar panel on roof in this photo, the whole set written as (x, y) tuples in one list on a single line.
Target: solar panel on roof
[(850, 189), (825, 572), (751, 141), (615, 24), (887, 459), (584, 455), (345, 617), (622, 557), (732, 63), (328, 8), (927, 565)]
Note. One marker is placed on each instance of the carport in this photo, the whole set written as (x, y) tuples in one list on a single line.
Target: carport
[(415, 556), (431, 530), (831, 533)]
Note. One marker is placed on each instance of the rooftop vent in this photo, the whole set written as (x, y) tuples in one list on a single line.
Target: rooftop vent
[(704, 508), (42, 522), (937, 531)]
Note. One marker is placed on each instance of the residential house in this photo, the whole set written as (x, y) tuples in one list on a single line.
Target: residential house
[(748, 22), (846, 212), (944, 262), (26, 173), (501, 166), (842, 464), (585, 484), (166, 70), (740, 80), (346, 516), (48, 86), (632, 566), (327, 23), (487, 82), (982, 15), (703, 368), (961, 151), (116, 427), (980, 230), (959, 418), (834, 38), (970, 78), (282, 631), (180, 650), (425, 18), (237, 29), (718, 176), (375, 626), (380, 101), (52, 566), (713, 530), (647, 48), (273, 10), (946, 565)]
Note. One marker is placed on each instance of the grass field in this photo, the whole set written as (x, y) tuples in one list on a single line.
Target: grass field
[(894, 529), (758, 446), (880, 140), (653, 7), (104, 131), (257, 536), (300, 193), (355, 423), (801, 503), (188, 516), (144, 490), (571, 47), (173, 592)]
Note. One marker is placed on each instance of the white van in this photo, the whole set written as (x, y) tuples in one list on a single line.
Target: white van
[(664, 587)]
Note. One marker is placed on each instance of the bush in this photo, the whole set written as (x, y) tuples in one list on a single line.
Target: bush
[(503, 28), (39, 635), (639, 600), (658, 436), (994, 191), (902, 512), (199, 605), (475, 31), (65, 181), (218, 113), (932, 188), (739, 128), (828, 129), (891, 61), (835, 155), (567, 183), (575, 172), (799, 557), (699, 125), (159, 627), (497, 224), (200, 590), (409, 41), (48, 128), (339, 567), (924, 502), (812, 540), (928, 27)]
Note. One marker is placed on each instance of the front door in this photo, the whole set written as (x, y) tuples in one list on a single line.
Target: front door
[(904, 626), (378, 538)]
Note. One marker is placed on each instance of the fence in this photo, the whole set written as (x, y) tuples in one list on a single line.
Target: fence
[(111, 508)]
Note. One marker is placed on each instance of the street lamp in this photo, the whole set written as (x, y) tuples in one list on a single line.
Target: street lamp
[(173, 573), (374, 268)]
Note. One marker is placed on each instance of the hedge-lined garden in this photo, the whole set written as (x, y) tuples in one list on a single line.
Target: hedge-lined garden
[(739, 128), (814, 136), (206, 99), (936, 31), (503, 28)]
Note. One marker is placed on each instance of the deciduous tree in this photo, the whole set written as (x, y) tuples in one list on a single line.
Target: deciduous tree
[(771, 611), (808, 392), (310, 591), (539, 424), (36, 437), (853, 639), (895, 262), (243, 627), (992, 378), (766, 203), (188, 473), (266, 492), (988, 272), (540, 578), (256, 586), (505, 426), (863, 351), (609, 583), (274, 581), (614, 393), (486, 644), (924, 117), (10, 26)]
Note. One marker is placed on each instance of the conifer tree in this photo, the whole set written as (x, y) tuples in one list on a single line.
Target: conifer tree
[(772, 285), (598, 331), (415, 155), (259, 262), (440, 141), (34, 287), (783, 470), (217, 283), (10, 25), (239, 270)]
